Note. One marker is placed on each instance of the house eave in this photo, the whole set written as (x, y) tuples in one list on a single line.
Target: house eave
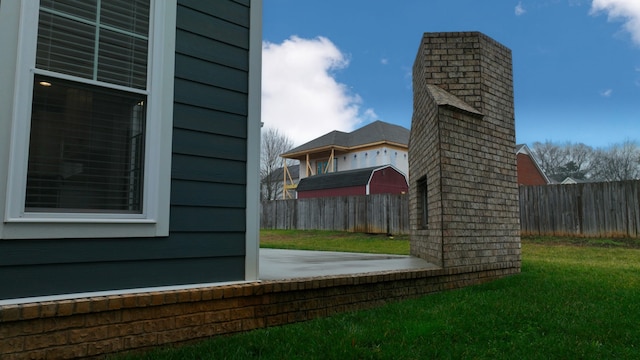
[(300, 155)]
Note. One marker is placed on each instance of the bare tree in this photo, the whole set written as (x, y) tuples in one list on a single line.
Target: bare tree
[(581, 155), (550, 156), (560, 161), (618, 162), (274, 143)]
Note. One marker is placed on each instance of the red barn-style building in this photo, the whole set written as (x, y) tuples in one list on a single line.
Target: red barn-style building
[(373, 180)]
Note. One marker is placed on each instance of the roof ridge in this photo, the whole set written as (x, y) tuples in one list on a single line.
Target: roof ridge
[(374, 132)]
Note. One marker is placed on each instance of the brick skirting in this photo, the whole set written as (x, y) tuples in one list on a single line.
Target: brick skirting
[(94, 327)]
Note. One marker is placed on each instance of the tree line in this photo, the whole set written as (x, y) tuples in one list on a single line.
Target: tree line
[(617, 162)]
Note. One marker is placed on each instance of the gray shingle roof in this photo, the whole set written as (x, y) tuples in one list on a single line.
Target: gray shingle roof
[(341, 179), (377, 131)]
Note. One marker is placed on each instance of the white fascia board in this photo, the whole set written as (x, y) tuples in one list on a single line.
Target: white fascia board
[(252, 236)]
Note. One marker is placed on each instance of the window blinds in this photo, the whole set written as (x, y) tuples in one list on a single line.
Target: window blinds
[(104, 40)]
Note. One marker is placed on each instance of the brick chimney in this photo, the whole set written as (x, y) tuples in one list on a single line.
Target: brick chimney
[(463, 194)]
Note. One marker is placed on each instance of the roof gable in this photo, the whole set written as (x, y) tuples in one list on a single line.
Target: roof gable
[(524, 149)]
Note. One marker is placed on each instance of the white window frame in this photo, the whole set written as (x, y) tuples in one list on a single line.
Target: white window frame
[(154, 219)]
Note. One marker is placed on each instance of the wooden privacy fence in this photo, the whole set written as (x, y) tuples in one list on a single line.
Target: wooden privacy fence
[(606, 209), (380, 213)]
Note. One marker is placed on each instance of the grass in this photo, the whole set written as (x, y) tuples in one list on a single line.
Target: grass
[(583, 241), (334, 241), (569, 302), (381, 244)]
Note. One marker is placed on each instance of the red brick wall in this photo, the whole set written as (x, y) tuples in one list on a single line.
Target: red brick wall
[(528, 173), (93, 327)]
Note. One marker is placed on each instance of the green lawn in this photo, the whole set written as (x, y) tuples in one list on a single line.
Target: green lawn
[(570, 302), (334, 241)]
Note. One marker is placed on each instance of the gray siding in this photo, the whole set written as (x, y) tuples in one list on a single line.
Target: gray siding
[(206, 241)]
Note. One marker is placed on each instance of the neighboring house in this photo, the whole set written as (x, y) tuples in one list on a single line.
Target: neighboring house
[(129, 145), (529, 171), (375, 144), (374, 180)]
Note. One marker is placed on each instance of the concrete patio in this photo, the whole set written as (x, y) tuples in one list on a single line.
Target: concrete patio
[(278, 264)]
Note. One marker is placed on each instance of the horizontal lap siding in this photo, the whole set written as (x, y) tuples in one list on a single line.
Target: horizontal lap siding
[(208, 190), (208, 196), (104, 276)]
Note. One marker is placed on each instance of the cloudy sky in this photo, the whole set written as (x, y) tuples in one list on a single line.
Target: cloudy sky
[(340, 64)]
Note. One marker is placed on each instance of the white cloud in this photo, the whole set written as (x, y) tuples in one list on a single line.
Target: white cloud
[(300, 95), (408, 77), (626, 10), (384, 61), (606, 93), (520, 10), (370, 114)]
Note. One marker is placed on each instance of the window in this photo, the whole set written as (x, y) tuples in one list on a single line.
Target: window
[(85, 148), (86, 143), (423, 203), (92, 114), (322, 167)]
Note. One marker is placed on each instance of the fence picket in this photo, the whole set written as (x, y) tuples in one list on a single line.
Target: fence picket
[(607, 209)]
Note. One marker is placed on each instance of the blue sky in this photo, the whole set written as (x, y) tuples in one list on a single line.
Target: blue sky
[(340, 64)]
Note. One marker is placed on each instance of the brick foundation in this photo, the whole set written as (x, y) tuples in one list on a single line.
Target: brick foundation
[(94, 327)]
